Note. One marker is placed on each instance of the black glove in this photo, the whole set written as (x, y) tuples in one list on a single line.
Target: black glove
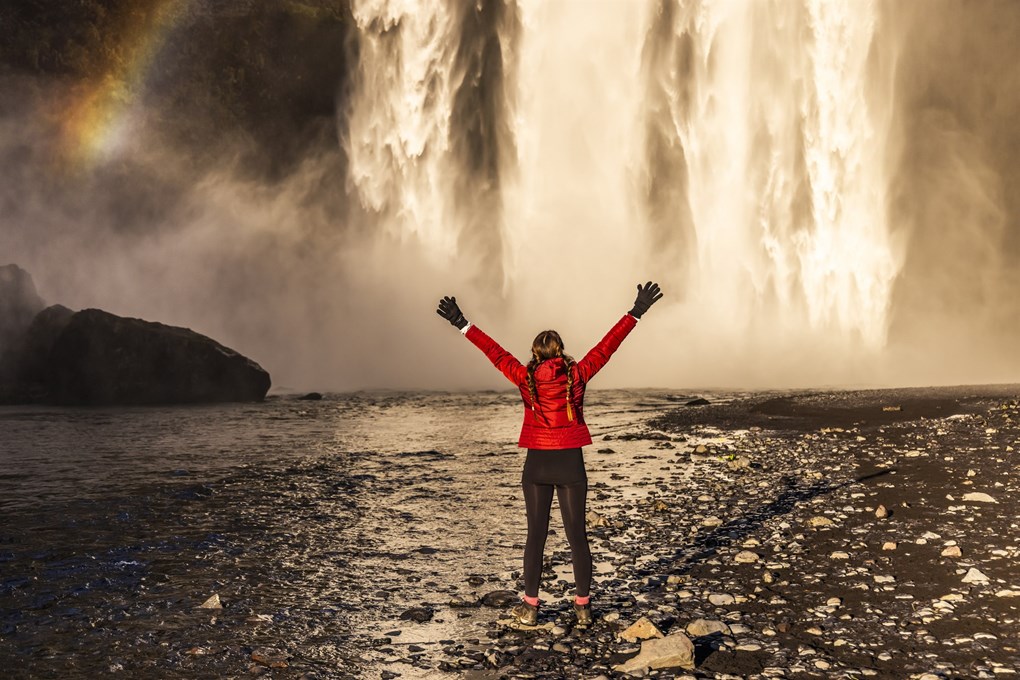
[(449, 310), (646, 297)]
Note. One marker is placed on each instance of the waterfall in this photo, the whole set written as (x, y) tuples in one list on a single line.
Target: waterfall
[(738, 151), (427, 135), (762, 111)]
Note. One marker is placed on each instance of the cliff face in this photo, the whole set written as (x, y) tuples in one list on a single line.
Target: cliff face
[(264, 76), (19, 303)]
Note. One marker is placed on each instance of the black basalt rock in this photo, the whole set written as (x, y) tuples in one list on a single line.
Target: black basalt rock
[(19, 303), (99, 358)]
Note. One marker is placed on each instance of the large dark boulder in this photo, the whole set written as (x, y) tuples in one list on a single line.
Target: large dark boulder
[(25, 367), (99, 358), (19, 303)]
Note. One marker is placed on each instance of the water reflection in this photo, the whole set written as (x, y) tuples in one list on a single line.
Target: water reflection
[(317, 523)]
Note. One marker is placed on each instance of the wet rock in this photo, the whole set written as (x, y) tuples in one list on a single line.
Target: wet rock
[(700, 401), (269, 657), (673, 651), (418, 614), (594, 519), (642, 629), (311, 396), (499, 598), (459, 602)]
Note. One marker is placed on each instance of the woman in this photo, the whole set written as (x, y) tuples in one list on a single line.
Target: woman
[(552, 386)]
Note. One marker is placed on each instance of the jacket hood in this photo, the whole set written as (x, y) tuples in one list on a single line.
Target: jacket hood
[(550, 369)]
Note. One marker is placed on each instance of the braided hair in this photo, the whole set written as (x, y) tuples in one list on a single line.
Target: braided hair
[(549, 345)]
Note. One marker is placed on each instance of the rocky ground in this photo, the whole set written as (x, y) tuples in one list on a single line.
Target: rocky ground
[(849, 534)]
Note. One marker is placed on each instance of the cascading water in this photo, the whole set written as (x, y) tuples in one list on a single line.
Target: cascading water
[(766, 110), (735, 150), (427, 135)]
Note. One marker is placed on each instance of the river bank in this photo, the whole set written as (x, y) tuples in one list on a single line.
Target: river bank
[(372, 535)]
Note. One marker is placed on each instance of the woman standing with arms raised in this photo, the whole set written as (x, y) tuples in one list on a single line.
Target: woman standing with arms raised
[(552, 387)]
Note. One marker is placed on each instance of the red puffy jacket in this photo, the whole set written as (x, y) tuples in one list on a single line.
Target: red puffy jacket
[(548, 426)]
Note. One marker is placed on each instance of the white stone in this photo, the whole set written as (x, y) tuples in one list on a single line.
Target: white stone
[(674, 650), (720, 599), (642, 629), (700, 627), (746, 557), (978, 497), (975, 576), (839, 555)]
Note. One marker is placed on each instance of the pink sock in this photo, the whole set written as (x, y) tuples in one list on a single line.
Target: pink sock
[(578, 600), (533, 601)]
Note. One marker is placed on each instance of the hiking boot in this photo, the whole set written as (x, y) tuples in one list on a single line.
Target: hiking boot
[(583, 614), (525, 614)]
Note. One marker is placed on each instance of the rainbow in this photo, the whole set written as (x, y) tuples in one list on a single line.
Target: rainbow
[(100, 116)]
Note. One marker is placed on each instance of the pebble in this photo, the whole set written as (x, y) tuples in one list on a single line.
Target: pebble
[(746, 557), (212, 603), (952, 551), (702, 627), (642, 629), (720, 599), (977, 497), (975, 575), (418, 614)]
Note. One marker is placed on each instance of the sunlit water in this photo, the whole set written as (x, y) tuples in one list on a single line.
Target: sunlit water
[(317, 523)]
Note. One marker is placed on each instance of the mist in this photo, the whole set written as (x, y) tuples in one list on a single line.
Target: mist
[(537, 161)]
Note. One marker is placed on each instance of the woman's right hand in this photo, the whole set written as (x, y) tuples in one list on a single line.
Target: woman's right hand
[(449, 310), (646, 297)]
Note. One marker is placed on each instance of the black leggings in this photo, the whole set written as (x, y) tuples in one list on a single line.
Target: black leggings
[(562, 470)]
